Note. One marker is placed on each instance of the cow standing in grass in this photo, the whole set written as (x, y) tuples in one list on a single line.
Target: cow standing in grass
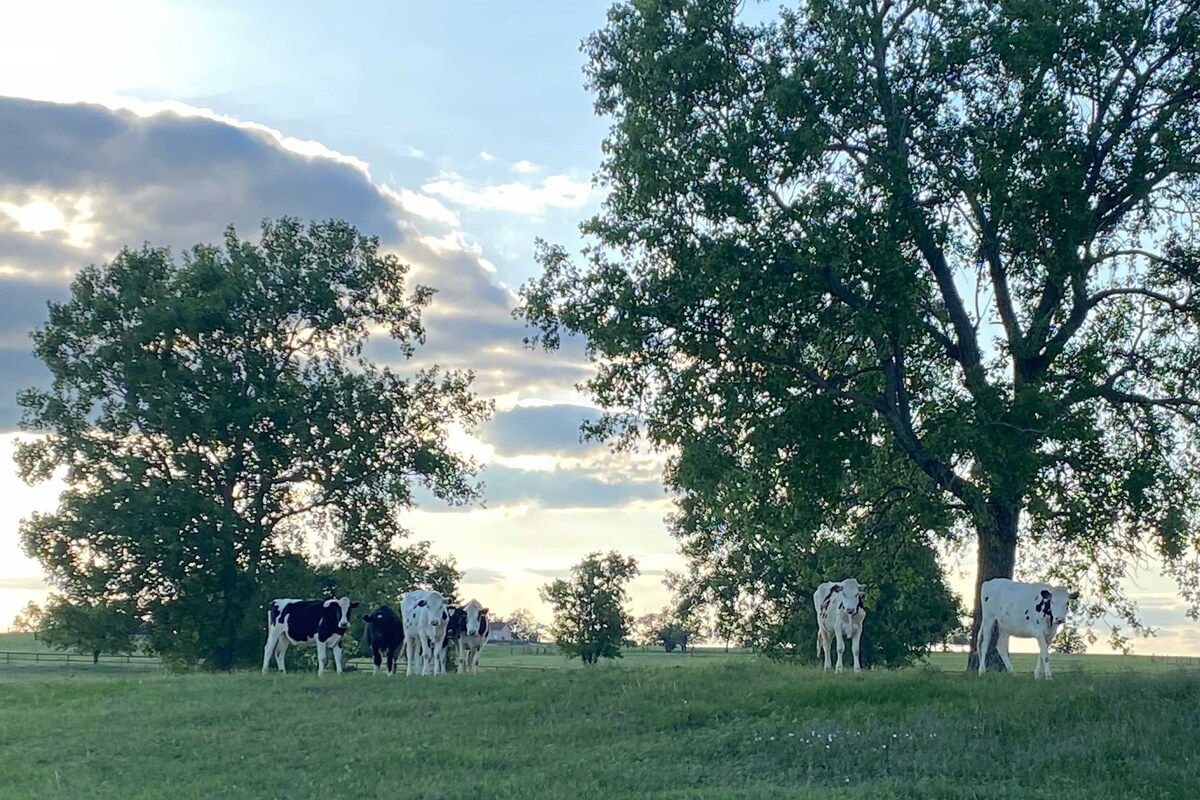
[(425, 614), (318, 622), (468, 630), (1028, 610), (385, 634), (839, 613)]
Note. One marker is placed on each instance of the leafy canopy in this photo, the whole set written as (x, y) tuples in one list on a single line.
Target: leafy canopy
[(211, 411), (931, 255)]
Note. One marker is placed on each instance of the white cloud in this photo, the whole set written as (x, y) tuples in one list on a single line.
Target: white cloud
[(486, 156), (555, 191), (525, 166), (422, 205)]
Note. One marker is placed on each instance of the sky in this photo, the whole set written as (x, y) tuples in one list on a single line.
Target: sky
[(456, 132)]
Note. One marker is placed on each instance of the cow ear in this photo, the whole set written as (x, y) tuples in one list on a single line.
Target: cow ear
[(483, 611), (451, 609), (1073, 596), (366, 617), (355, 605)]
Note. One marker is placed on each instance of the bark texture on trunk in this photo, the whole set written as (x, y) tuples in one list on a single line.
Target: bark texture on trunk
[(997, 559)]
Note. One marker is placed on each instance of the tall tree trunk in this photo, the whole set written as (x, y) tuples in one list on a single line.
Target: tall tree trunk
[(997, 558)]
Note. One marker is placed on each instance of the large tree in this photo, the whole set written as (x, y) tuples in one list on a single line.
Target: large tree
[(934, 253), (209, 410)]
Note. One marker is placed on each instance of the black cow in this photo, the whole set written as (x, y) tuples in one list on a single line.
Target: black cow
[(319, 622), (385, 633)]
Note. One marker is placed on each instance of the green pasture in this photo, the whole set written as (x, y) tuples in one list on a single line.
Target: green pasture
[(704, 725)]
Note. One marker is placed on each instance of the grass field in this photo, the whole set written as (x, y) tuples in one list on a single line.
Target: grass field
[(709, 725)]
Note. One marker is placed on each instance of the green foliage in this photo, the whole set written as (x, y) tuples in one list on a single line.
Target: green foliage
[(214, 412), (29, 619), (590, 619), (90, 627), (928, 256)]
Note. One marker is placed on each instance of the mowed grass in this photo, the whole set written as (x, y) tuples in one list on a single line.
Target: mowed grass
[(708, 726)]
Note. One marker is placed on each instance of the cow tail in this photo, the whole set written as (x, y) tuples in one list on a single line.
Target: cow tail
[(272, 613), (818, 641)]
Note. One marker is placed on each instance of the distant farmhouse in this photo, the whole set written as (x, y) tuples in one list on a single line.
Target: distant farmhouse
[(498, 631)]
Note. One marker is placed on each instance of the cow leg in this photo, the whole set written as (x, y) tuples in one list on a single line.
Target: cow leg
[(841, 643), (273, 635), (475, 653), (337, 657), (463, 655), (391, 659), (826, 643), (984, 642), (1043, 658), (855, 647), (377, 657), (281, 654), (1002, 650), (410, 655), (320, 657)]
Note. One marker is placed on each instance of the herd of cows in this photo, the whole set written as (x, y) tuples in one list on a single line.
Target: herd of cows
[(427, 626)]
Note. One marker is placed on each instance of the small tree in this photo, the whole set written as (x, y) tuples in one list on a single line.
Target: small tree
[(101, 627), (1069, 640), (590, 620), (29, 619), (523, 626)]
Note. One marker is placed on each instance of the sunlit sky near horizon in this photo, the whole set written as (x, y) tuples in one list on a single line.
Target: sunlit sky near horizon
[(456, 132)]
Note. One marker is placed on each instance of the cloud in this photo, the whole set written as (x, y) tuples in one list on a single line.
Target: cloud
[(539, 429), (525, 166), (427, 207), (482, 576), (79, 181), (564, 488), (31, 583), (486, 156), (555, 191)]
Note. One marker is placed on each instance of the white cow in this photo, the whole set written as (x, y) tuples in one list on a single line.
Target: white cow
[(839, 613), (1028, 610), (425, 614), (469, 630)]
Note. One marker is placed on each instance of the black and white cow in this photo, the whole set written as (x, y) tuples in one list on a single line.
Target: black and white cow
[(468, 631), (1029, 610), (385, 634), (839, 613), (425, 614), (319, 622)]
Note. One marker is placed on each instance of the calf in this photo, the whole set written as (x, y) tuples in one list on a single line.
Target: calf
[(839, 612), (425, 614), (319, 622), (468, 629), (385, 634), (1029, 610)]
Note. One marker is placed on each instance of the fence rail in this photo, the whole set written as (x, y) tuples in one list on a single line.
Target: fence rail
[(36, 657)]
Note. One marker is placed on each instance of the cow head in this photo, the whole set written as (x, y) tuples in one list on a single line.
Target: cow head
[(476, 618), (343, 606), (852, 596), (1052, 603), (438, 612)]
